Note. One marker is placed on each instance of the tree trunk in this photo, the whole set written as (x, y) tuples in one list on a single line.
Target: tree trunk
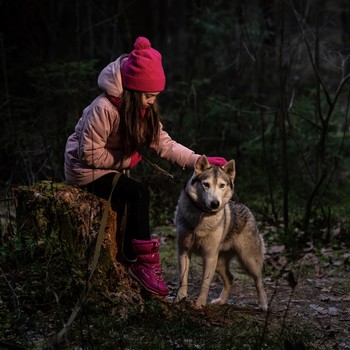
[(58, 224)]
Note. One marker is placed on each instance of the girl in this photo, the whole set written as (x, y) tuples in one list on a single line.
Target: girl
[(108, 138)]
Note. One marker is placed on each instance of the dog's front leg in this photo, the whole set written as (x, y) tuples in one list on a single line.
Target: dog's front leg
[(209, 263), (184, 259)]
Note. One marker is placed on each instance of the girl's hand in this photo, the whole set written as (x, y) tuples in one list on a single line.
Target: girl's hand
[(219, 161)]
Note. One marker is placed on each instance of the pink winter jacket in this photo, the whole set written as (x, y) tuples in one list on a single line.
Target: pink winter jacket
[(93, 149)]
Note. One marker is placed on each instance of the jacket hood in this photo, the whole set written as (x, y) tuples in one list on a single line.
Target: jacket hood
[(110, 79)]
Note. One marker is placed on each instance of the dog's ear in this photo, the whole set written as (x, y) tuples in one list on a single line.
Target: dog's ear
[(201, 165), (230, 169)]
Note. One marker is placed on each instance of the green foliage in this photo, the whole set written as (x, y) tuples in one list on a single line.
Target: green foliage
[(62, 79)]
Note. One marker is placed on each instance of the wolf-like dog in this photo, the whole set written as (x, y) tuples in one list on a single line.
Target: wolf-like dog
[(211, 225)]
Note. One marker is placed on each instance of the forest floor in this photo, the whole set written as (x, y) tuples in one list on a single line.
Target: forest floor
[(312, 292), (309, 307)]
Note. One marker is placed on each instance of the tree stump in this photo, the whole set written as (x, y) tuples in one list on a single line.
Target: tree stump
[(58, 225)]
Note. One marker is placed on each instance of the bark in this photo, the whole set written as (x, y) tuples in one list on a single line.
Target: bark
[(59, 224)]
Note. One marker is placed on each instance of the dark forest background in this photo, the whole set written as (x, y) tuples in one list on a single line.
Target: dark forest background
[(266, 83), (263, 82)]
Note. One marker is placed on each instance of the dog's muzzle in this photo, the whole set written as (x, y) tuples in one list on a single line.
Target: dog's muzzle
[(214, 204)]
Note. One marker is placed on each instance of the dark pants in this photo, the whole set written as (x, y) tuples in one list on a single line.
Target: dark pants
[(132, 193)]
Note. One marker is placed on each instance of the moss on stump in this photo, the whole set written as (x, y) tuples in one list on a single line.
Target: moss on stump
[(58, 225)]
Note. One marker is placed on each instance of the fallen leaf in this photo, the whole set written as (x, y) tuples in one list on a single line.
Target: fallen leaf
[(277, 249), (321, 310)]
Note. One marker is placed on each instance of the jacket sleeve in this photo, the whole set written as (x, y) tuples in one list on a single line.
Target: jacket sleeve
[(174, 151), (98, 124)]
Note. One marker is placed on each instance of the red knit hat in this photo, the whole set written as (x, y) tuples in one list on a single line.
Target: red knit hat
[(143, 69)]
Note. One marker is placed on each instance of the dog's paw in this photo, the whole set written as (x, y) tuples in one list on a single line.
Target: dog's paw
[(179, 298), (197, 306), (218, 301), (263, 307)]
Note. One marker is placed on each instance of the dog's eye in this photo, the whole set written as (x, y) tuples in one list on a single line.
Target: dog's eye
[(205, 184), (222, 186)]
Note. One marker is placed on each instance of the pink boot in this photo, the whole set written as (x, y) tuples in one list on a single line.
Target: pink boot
[(146, 270)]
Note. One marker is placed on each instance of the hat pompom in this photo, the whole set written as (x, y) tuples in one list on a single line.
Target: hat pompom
[(142, 43)]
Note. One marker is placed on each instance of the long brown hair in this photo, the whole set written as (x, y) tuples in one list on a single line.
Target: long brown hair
[(136, 131)]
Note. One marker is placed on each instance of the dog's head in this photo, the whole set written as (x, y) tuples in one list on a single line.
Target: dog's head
[(211, 186)]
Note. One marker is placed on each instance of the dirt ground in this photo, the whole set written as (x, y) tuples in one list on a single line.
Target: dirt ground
[(313, 291)]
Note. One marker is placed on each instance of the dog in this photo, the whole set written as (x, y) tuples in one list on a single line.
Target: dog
[(212, 226)]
